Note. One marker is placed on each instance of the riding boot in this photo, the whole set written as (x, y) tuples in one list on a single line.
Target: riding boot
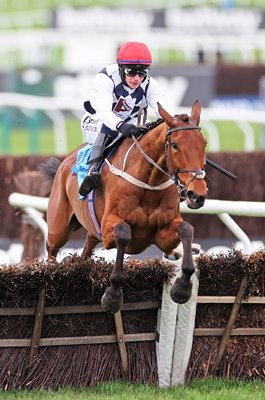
[(91, 181)]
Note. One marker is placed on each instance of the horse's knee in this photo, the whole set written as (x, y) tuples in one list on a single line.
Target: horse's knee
[(122, 233), (51, 249), (185, 230)]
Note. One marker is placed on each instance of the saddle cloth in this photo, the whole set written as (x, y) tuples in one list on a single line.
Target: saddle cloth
[(81, 166), (83, 156)]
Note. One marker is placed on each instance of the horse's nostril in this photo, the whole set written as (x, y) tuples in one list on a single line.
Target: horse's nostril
[(192, 196), (195, 201), (201, 199)]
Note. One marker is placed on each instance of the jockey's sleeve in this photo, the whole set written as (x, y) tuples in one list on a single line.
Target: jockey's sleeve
[(101, 100), (156, 94)]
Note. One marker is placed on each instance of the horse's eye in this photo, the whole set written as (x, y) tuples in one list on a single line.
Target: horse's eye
[(175, 146)]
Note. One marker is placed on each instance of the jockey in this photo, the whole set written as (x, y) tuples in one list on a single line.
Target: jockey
[(117, 93)]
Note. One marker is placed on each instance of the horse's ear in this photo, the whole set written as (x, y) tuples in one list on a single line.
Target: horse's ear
[(164, 114), (196, 111)]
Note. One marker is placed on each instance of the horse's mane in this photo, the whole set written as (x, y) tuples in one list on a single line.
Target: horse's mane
[(151, 125)]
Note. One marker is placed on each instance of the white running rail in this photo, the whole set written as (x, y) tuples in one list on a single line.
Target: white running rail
[(54, 107), (222, 208)]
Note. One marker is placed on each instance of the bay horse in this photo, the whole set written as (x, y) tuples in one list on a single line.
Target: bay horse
[(137, 202)]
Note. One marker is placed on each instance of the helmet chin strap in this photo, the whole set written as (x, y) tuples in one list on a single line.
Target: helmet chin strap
[(122, 74)]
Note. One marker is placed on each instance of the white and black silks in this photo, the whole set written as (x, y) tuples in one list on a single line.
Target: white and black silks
[(111, 101)]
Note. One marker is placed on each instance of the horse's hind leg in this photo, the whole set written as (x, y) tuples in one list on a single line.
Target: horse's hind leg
[(112, 299), (62, 228), (181, 290)]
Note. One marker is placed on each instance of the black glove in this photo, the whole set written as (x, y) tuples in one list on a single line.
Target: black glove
[(128, 130)]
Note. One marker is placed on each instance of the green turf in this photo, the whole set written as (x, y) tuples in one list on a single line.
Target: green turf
[(22, 142), (207, 389), (231, 137), (18, 141), (14, 5)]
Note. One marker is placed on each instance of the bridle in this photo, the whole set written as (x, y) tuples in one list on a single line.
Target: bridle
[(196, 173)]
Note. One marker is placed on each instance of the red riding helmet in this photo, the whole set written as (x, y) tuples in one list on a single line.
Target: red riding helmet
[(134, 53)]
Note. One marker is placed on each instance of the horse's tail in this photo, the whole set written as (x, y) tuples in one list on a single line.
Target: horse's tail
[(49, 168)]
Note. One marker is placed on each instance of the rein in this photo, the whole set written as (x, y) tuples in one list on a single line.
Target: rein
[(173, 176)]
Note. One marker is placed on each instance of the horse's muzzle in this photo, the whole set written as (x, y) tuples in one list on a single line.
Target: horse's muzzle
[(194, 200)]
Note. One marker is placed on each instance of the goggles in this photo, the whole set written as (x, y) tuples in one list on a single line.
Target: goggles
[(133, 72)]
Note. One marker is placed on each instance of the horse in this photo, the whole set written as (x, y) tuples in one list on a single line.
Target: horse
[(137, 202)]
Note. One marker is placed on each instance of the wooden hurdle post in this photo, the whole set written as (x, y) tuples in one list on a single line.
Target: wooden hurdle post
[(230, 323), (36, 335), (121, 343)]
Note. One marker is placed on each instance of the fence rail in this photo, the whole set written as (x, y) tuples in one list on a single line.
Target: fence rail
[(137, 337), (222, 208), (75, 42)]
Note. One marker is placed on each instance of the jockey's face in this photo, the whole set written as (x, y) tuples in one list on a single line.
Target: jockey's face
[(134, 74), (134, 81)]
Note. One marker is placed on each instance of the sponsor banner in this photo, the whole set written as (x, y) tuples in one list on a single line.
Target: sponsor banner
[(205, 20)]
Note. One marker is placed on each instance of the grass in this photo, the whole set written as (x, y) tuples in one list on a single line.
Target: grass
[(207, 389), (13, 5), (231, 137), (19, 142)]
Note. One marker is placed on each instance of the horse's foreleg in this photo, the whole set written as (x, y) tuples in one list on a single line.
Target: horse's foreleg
[(90, 244), (112, 299), (181, 290), (51, 249)]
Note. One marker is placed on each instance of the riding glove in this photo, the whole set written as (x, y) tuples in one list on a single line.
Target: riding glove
[(128, 130)]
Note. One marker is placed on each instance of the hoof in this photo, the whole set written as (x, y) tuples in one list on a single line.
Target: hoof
[(181, 291), (111, 302)]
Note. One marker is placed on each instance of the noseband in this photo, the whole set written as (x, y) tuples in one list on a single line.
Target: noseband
[(196, 173)]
